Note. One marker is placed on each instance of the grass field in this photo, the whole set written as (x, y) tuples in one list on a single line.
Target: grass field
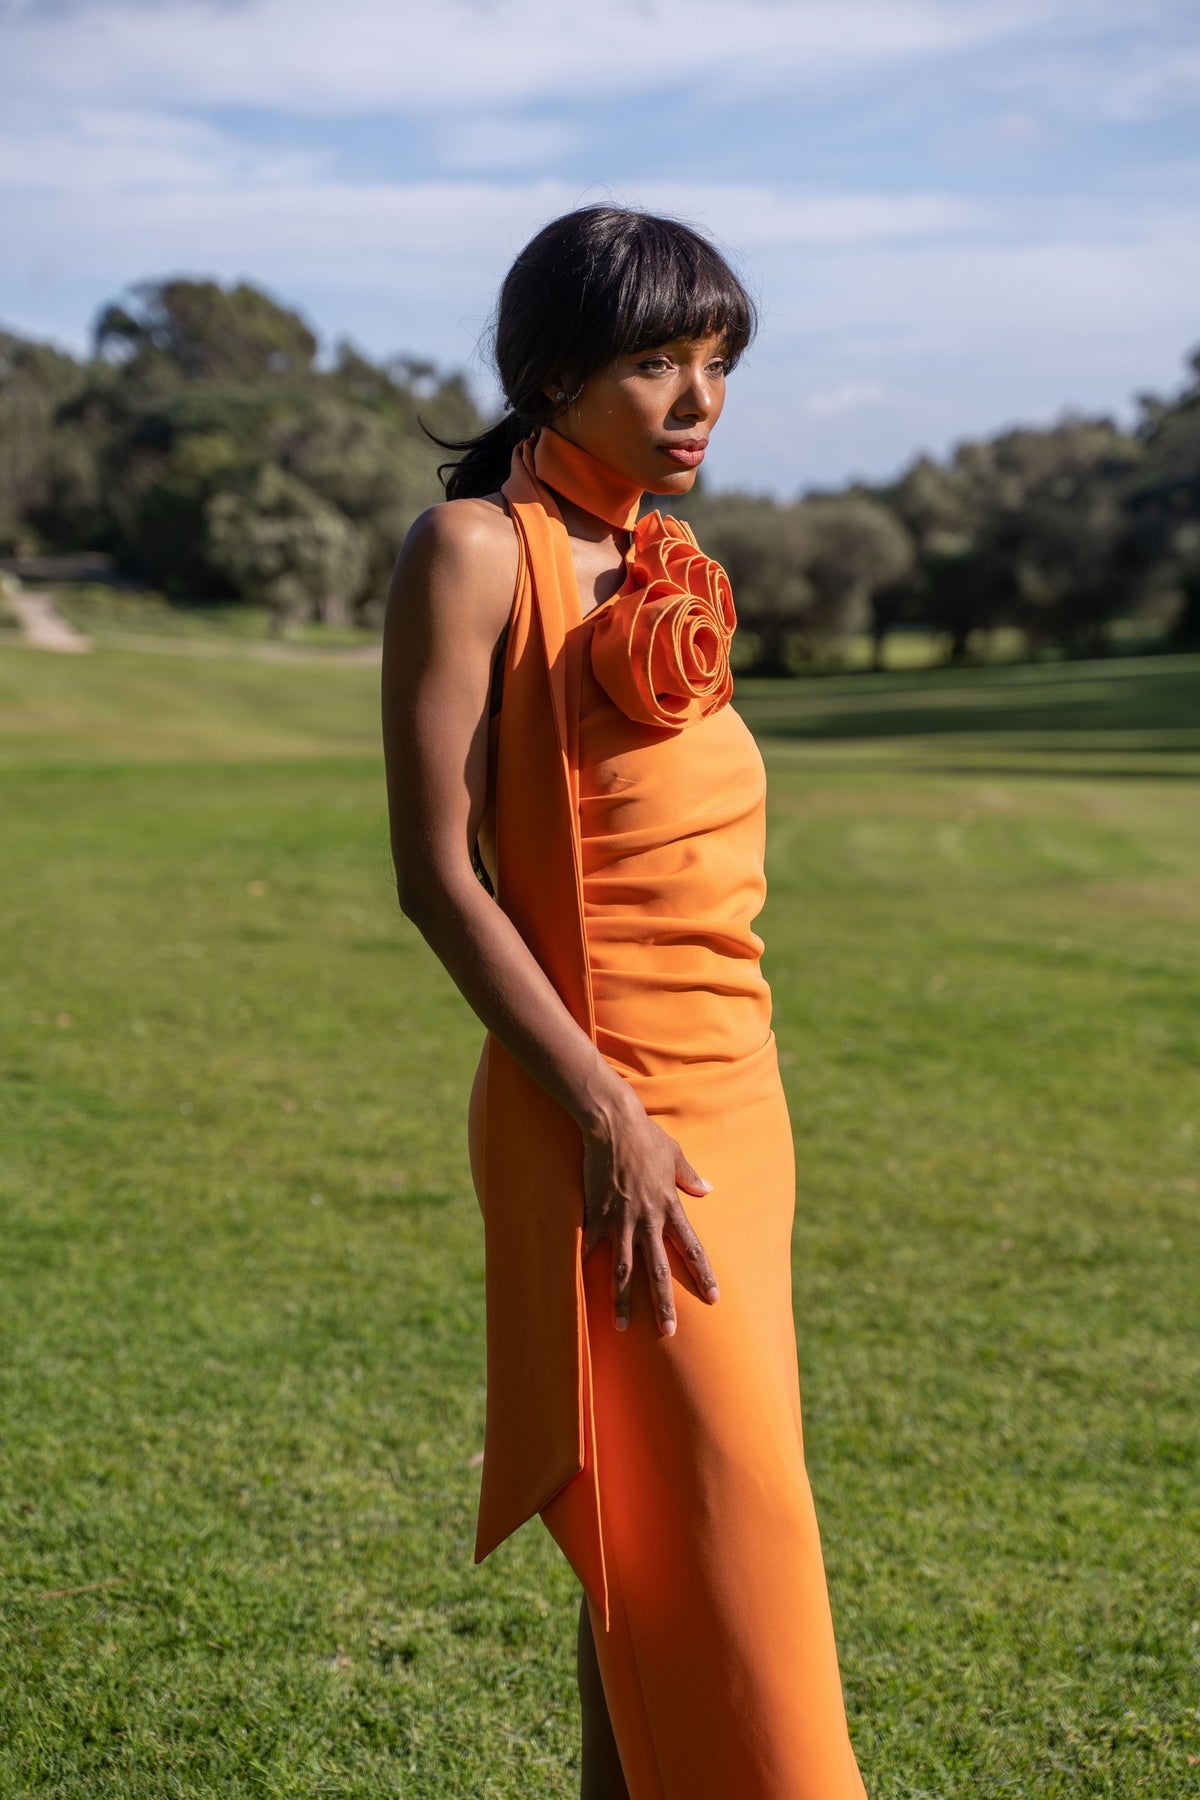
[(241, 1359)]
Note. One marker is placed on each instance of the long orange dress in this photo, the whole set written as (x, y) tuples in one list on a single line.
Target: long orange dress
[(673, 1468)]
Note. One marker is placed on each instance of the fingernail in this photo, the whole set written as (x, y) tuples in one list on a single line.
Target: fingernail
[(714, 1292), (668, 1328), (706, 1185), (621, 1324)]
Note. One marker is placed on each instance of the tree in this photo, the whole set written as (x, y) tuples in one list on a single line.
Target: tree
[(35, 382), (965, 587), (939, 588), (1165, 501), (1051, 513), (803, 574), (285, 548), (1031, 528), (360, 460), (761, 548), (197, 400), (853, 548), (204, 400), (205, 332)]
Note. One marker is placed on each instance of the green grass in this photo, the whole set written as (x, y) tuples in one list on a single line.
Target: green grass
[(118, 706), (142, 617), (1120, 715), (241, 1358), (215, 700)]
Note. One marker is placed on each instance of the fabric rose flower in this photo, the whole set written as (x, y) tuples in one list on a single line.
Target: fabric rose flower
[(660, 647)]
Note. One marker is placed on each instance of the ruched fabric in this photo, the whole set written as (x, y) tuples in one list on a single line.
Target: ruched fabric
[(689, 1517)]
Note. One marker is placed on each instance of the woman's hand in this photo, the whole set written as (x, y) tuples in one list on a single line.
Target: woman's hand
[(632, 1172)]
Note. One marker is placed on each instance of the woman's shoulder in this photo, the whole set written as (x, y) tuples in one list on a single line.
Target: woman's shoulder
[(460, 551), (464, 530)]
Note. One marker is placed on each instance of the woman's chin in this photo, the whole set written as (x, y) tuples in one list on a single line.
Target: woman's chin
[(672, 481)]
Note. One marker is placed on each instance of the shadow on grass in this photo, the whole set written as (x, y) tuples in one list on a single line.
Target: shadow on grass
[(1134, 706)]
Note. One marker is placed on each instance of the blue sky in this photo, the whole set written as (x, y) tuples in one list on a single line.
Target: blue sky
[(957, 214)]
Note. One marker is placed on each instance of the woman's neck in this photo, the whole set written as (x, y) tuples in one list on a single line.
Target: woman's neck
[(593, 490)]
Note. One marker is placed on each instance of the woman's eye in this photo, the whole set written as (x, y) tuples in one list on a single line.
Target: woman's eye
[(653, 363)]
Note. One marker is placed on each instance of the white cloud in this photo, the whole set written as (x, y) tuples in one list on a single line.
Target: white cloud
[(1018, 128), (490, 142), (1106, 62), (848, 396), (883, 328), (958, 340), (298, 56), (122, 154), (894, 313), (126, 190), (1122, 271), (758, 216)]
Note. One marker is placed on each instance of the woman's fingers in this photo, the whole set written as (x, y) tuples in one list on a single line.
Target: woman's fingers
[(658, 1267), (622, 1279), (638, 1220), (683, 1236), (687, 1178)]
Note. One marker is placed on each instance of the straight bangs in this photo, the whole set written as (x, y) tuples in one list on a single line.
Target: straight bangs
[(675, 285)]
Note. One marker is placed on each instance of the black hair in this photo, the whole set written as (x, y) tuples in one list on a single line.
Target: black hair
[(597, 284)]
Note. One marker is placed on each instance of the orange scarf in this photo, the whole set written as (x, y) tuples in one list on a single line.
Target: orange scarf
[(661, 651)]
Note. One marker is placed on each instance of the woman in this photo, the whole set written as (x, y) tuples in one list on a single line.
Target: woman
[(577, 825)]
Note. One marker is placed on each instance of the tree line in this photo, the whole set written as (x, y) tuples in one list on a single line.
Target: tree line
[(205, 449), (210, 452), (1056, 532)]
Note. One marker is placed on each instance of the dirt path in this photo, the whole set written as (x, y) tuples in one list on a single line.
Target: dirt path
[(43, 626)]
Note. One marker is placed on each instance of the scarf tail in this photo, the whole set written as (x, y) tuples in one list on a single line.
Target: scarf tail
[(539, 1432)]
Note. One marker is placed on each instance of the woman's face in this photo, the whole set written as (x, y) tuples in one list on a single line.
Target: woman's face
[(649, 416)]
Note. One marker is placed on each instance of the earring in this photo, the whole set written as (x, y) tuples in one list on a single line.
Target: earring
[(561, 394)]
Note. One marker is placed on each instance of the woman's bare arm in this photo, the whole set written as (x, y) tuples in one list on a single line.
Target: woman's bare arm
[(450, 597)]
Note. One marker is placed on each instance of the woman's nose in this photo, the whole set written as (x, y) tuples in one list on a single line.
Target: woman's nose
[(695, 402)]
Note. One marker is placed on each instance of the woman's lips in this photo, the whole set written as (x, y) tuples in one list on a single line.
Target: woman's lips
[(689, 454)]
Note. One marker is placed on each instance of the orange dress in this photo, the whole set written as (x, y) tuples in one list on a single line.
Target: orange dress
[(689, 1518)]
